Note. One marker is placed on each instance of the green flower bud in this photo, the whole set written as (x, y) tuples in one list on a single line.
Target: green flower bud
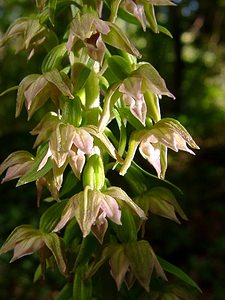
[(94, 174)]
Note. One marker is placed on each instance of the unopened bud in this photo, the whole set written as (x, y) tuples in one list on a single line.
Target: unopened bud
[(94, 174)]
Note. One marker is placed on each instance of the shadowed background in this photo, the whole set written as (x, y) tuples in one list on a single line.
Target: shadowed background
[(193, 65)]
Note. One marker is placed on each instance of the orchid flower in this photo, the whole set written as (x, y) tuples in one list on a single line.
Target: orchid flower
[(88, 29), (92, 207), (133, 96), (68, 144), (153, 144)]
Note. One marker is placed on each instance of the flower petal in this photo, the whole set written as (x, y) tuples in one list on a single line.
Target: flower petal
[(111, 208), (83, 140), (118, 193), (76, 161), (151, 152)]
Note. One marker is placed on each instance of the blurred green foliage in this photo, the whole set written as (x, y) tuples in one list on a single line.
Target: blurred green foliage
[(193, 62)]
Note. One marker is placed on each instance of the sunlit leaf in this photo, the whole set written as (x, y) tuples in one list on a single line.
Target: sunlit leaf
[(170, 268), (118, 39), (53, 58)]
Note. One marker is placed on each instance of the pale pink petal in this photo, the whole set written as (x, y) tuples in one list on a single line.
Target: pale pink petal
[(111, 208), (151, 152), (76, 161), (101, 26), (45, 159), (118, 193), (17, 171), (66, 216), (133, 96), (83, 140), (136, 10)]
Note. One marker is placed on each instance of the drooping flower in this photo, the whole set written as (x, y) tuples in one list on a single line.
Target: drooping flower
[(68, 144), (153, 144), (94, 33), (92, 207), (88, 29), (135, 9), (134, 97), (17, 164)]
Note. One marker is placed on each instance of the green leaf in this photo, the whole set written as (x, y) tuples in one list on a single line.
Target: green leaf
[(52, 8), (120, 66), (79, 74), (137, 186), (128, 231), (54, 58), (117, 39), (69, 183), (165, 31), (51, 216), (34, 174), (55, 245), (170, 268)]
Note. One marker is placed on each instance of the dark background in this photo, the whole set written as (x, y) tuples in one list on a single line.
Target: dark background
[(193, 64)]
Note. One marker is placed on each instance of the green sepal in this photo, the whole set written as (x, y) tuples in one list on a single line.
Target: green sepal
[(150, 14), (120, 66)]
